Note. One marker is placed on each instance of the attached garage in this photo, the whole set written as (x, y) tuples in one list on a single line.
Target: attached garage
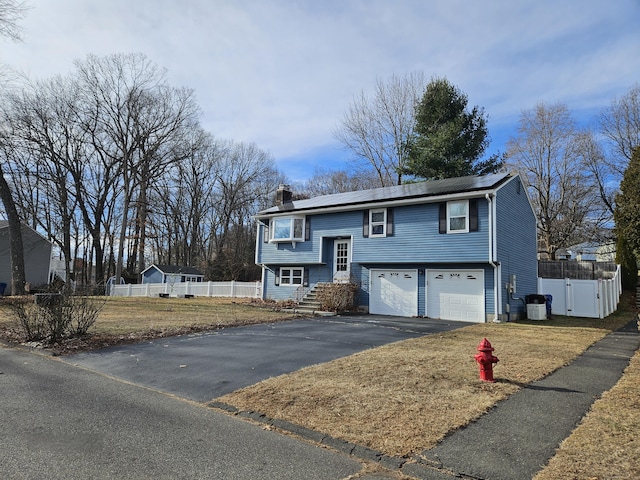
[(456, 295), (394, 292)]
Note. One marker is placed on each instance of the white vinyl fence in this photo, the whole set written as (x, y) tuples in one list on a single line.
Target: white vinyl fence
[(230, 289), (583, 298)]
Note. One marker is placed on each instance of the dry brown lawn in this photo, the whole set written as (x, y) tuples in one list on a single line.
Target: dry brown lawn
[(403, 398), (605, 445), (131, 319)]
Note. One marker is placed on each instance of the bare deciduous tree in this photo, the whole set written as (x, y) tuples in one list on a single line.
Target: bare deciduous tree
[(378, 128), (545, 151), (620, 124), (11, 13), (326, 182), (139, 122)]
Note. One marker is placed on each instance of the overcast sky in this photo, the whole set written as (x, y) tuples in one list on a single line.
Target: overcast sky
[(281, 73)]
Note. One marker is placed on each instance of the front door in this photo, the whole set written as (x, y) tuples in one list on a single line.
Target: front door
[(341, 261)]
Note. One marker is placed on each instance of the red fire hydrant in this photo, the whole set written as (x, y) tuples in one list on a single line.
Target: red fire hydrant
[(486, 360)]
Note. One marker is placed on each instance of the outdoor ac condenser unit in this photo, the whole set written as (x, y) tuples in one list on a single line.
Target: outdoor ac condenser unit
[(536, 311)]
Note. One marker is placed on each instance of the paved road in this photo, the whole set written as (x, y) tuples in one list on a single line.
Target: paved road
[(58, 421), (204, 366)]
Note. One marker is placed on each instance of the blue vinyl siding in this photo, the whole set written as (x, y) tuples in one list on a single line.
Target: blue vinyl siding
[(417, 244), (516, 242), (415, 238), (363, 279), (153, 276)]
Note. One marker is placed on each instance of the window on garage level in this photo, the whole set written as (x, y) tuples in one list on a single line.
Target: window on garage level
[(291, 276)]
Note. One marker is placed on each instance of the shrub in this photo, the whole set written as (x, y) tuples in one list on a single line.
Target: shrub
[(54, 316), (338, 297)]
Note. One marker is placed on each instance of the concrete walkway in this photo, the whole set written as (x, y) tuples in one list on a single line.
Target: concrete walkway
[(517, 438)]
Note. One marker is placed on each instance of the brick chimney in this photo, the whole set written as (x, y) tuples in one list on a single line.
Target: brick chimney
[(283, 195)]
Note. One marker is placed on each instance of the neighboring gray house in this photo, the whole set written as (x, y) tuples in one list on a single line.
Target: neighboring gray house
[(37, 256), (171, 274), (458, 249)]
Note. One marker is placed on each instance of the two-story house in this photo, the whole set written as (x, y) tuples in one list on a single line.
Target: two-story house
[(458, 249)]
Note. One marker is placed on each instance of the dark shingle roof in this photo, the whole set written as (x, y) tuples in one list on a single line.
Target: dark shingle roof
[(178, 269), (430, 188)]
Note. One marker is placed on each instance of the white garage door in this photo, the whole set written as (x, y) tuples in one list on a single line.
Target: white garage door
[(394, 292), (456, 295)]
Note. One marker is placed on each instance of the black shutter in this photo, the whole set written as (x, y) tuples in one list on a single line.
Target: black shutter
[(442, 218), (305, 280), (365, 224), (265, 232), (389, 222), (473, 215), (307, 228), (277, 276)]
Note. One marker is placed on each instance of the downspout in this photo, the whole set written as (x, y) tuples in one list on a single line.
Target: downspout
[(492, 256), (258, 256)]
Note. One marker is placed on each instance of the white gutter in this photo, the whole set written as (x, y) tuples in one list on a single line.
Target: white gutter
[(497, 297)]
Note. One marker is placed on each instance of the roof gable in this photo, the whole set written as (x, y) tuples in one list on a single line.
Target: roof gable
[(417, 191), (175, 269)]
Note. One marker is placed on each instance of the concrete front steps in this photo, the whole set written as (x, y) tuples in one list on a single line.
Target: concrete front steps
[(309, 305)]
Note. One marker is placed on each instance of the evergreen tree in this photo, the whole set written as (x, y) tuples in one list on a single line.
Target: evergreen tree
[(449, 139), (627, 219)]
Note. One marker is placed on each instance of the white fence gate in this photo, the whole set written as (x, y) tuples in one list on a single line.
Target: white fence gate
[(197, 289), (583, 298)]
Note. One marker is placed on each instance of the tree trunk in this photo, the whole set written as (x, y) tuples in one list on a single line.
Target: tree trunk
[(15, 235)]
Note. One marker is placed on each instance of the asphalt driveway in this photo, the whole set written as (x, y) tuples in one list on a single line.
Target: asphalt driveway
[(207, 365)]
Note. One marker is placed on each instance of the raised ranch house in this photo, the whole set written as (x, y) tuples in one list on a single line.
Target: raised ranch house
[(457, 249), (171, 274), (37, 256)]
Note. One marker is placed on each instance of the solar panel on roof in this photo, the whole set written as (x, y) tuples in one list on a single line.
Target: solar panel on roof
[(409, 190)]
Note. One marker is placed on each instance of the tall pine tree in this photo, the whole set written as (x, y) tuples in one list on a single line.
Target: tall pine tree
[(449, 139), (627, 219)]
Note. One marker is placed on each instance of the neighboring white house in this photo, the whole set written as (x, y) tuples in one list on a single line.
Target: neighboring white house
[(37, 256), (589, 252)]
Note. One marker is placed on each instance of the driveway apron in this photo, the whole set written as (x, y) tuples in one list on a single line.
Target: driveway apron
[(207, 365)]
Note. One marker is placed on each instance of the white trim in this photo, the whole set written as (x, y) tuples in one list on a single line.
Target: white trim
[(466, 217), (292, 222), (291, 277), (383, 222), (347, 273)]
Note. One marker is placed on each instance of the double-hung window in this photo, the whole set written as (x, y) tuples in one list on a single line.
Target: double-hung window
[(287, 229), (378, 222), (292, 276), (458, 216)]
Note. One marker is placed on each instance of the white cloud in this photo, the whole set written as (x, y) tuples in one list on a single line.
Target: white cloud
[(280, 73)]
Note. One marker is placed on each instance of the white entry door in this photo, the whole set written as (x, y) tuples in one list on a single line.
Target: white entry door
[(341, 261)]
